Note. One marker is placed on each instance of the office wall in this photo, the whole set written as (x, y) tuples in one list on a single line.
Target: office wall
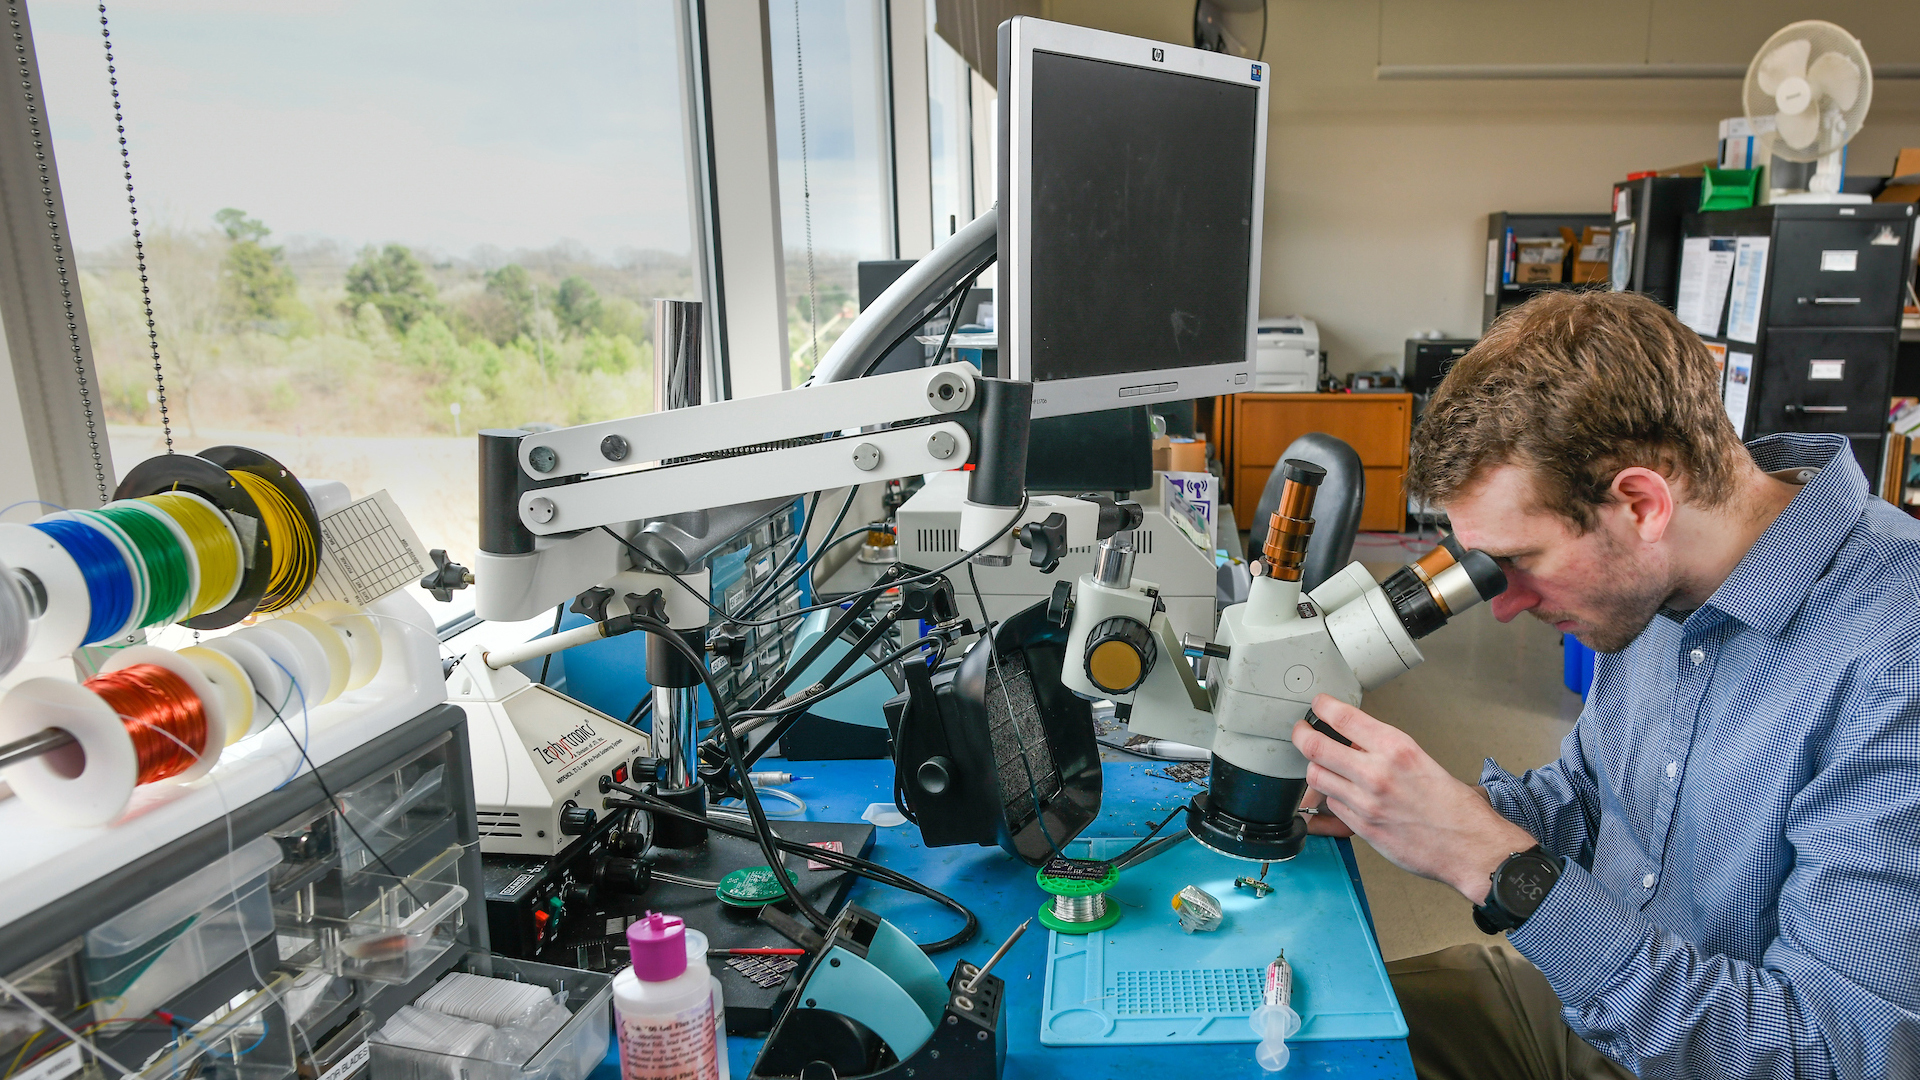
[(1378, 191)]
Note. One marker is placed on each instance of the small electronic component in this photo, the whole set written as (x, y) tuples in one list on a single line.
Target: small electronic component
[(753, 887), (765, 972), (1198, 909)]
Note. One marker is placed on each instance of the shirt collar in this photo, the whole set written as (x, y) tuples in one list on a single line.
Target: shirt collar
[(1773, 579)]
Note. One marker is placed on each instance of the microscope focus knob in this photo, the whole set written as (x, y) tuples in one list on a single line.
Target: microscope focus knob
[(1119, 654)]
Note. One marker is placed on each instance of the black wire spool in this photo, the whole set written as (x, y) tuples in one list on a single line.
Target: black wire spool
[(245, 459), (205, 478)]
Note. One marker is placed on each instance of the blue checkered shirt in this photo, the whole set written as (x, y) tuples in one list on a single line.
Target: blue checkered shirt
[(1739, 809)]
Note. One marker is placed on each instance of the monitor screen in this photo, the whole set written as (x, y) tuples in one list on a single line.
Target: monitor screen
[(1141, 218)]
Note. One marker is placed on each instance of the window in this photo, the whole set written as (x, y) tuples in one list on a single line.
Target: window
[(374, 228), (950, 134), (836, 165)]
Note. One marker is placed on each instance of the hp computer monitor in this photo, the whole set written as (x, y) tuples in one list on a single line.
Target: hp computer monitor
[(1130, 183)]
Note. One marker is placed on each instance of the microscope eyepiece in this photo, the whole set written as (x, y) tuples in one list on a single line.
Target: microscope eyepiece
[(1441, 584)]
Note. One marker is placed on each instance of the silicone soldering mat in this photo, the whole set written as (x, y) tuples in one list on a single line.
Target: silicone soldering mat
[(1144, 980)]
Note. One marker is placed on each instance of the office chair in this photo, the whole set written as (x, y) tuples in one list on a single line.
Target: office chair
[(1337, 510)]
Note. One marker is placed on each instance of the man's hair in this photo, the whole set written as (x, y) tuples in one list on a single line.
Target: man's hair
[(1574, 387)]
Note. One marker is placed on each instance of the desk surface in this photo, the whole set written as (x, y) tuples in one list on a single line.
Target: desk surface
[(1001, 892)]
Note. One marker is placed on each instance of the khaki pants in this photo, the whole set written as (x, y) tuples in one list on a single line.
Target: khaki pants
[(1482, 1012)]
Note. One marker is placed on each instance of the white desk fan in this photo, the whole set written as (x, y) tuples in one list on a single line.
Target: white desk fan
[(1812, 83)]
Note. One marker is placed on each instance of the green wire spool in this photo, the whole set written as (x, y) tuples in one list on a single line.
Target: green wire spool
[(753, 887), (1078, 903)]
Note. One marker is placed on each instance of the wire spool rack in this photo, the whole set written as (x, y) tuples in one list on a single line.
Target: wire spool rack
[(202, 540), (75, 753)]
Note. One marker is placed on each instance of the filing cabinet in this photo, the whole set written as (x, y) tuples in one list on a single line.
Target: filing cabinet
[(1809, 331)]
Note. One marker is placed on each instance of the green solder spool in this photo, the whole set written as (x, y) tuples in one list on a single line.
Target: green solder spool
[(753, 887), (1079, 902)]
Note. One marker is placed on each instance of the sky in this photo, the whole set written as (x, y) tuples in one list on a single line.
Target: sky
[(445, 126), (441, 125)]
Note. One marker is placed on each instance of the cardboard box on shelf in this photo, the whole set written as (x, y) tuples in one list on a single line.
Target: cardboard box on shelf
[(1593, 253), (1906, 166), (1538, 259)]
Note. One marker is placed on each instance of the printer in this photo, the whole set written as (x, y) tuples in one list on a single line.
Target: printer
[(1286, 355)]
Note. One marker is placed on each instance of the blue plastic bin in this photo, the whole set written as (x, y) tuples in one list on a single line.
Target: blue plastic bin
[(1576, 664)]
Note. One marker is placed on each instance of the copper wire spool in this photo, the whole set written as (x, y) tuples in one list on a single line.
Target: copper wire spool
[(164, 717)]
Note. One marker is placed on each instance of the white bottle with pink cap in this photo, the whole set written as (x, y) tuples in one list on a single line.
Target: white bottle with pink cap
[(667, 1022)]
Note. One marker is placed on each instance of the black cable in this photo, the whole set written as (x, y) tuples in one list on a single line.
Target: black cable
[(559, 612), (1013, 722), (876, 590), (771, 591), (806, 525), (763, 831), (853, 864), (846, 682), (334, 800), (960, 290)]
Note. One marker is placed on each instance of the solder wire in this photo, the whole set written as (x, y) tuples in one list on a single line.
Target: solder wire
[(1080, 909), (216, 547), (296, 551), (169, 577), (109, 579)]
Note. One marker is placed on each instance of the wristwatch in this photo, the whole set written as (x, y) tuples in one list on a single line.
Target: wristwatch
[(1520, 884)]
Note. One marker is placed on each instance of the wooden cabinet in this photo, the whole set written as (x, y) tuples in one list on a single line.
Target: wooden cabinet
[(1256, 428)]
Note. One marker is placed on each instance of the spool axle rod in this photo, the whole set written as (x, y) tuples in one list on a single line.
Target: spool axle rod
[(33, 746)]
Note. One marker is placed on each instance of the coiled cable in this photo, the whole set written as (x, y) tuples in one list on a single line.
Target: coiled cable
[(216, 547), (109, 579), (295, 550), (169, 574)]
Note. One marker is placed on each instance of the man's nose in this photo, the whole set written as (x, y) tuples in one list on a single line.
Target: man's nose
[(1511, 603)]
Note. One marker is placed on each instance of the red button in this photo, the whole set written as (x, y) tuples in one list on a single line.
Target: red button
[(620, 773), (541, 917)]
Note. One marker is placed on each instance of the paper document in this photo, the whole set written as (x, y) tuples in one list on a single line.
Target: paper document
[(369, 550), (1621, 272), (1706, 265), (1739, 382), (1749, 281)]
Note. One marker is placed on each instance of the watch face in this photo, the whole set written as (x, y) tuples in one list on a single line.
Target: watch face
[(1524, 882)]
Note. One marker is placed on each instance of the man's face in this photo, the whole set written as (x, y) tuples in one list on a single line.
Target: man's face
[(1603, 586)]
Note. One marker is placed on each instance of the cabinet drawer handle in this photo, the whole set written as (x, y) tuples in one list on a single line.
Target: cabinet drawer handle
[(1829, 301), (1791, 409)]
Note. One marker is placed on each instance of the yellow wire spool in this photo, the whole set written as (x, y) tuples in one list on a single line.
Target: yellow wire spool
[(295, 550), (215, 547)]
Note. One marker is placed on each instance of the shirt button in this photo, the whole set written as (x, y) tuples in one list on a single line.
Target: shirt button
[(1697, 656), (1673, 769), (1647, 882)]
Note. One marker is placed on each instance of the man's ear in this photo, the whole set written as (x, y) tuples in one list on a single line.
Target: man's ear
[(1645, 502)]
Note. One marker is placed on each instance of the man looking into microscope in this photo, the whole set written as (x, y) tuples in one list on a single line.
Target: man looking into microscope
[(1719, 875)]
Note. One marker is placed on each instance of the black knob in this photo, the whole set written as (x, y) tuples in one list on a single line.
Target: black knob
[(625, 875), (1047, 540), (446, 577), (934, 775), (592, 603), (1115, 517), (729, 641), (576, 820), (581, 893), (1119, 654), (1060, 604)]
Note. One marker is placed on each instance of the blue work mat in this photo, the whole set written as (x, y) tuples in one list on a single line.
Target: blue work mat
[(1147, 981)]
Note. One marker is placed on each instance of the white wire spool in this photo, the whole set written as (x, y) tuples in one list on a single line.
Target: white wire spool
[(16, 619), (230, 685), (87, 782), (211, 703), (61, 626), (272, 687), (297, 651), (332, 645), (362, 638)]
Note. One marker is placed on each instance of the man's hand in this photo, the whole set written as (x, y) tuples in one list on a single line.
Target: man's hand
[(1391, 794)]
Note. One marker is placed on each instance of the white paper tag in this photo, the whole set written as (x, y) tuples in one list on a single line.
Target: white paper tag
[(1839, 260), (62, 1062), (1826, 370)]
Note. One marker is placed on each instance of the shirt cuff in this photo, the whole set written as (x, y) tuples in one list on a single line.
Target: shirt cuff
[(1580, 937), (1498, 783)]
